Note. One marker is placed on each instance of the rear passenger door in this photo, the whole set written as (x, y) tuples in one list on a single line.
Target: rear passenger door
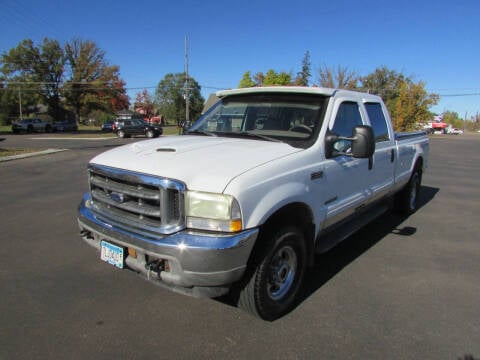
[(137, 127), (382, 174), (347, 177)]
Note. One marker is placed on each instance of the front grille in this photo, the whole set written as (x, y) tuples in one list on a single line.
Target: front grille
[(137, 202)]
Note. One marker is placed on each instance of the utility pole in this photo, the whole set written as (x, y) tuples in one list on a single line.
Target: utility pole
[(187, 88), (20, 102)]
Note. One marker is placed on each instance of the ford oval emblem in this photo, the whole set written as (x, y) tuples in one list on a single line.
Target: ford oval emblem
[(117, 197)]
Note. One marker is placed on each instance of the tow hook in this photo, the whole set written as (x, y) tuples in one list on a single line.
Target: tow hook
[(157, 266), (86, 234)]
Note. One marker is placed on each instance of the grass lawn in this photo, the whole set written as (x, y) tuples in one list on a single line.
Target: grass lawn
[(11, 152)]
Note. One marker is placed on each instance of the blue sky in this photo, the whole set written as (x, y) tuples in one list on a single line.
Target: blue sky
[(433, 41)]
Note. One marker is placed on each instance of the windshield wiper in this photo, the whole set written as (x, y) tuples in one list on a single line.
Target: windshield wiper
[(201, 132), (257, 136)]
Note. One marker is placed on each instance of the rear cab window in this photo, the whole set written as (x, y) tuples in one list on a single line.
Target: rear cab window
[(377, 121)]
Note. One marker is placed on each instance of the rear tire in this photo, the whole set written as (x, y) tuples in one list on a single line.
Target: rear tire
[(272, 289), (121, 134), (407, 199)]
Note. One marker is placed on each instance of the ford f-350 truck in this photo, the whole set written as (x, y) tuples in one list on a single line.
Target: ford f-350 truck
[(243, 200)]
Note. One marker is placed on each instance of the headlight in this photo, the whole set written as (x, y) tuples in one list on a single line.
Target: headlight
[(215, 212)]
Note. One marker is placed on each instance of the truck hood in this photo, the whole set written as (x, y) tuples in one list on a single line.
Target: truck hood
[(202, 163)]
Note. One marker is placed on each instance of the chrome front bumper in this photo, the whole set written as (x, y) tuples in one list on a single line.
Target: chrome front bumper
[(199, 264)]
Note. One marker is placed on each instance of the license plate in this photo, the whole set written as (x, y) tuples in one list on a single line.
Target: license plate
[(111, 254)]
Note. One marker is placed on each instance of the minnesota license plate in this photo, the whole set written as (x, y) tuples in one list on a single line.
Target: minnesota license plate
[(111, 254)]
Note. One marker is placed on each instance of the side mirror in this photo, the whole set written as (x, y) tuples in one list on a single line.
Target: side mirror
[(363, 142)]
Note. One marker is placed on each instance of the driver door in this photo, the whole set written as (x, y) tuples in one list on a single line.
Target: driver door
[(347, 177)]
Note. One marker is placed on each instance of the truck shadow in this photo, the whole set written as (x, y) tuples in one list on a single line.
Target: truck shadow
[(331, 263)]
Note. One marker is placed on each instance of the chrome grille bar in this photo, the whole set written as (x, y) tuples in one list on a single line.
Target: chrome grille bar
[(137, 202)]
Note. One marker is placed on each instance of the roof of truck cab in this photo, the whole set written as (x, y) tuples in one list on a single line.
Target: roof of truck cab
[(293, 89)]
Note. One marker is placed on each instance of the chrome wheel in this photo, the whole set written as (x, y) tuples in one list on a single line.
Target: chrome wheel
[(270, 287), (283, 267)]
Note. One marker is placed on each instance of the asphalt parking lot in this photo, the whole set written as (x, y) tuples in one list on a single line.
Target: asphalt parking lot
[(401, 288)]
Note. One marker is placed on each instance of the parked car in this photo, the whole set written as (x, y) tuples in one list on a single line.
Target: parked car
[(31, 125), (107, 126), (127, 128), (65, 126), (456, 131)]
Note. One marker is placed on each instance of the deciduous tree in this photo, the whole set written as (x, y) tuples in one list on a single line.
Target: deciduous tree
[(36, 70), (411, 105), (144, 104), (274, 78), (339, 78), (170, 97), (92, 81), (408, 102)]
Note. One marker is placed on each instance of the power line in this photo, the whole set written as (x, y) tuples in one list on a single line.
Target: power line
[(27, 86)]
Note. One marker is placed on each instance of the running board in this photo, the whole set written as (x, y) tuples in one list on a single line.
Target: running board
[(339, 232)]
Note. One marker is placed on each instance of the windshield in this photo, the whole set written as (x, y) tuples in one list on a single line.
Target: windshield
[(291, 118)]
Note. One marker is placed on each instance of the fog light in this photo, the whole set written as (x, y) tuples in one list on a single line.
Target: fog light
[(132, 252)]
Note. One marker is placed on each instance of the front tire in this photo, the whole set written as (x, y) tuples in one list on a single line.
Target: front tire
[(150, 134), (121, 134), (272, 289)]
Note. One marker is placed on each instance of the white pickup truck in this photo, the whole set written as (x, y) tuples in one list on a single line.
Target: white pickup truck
[(244, 199)]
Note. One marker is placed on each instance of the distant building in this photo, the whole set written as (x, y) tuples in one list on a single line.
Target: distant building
[(127, 115)]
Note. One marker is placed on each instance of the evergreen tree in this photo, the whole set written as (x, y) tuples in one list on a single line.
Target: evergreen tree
[(303, 76), (246, 80)]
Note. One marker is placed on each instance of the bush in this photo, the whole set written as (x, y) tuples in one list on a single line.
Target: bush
[(4, 120)]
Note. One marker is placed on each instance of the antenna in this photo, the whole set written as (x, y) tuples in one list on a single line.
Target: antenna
[(187, 87)]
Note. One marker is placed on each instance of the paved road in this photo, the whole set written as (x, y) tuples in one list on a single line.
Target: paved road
[(401, 288)]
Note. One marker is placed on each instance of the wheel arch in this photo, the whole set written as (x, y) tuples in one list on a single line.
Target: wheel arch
[(295, 214)]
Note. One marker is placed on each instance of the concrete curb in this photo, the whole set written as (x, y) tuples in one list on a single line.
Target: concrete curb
[(36, 153), (74, 138)]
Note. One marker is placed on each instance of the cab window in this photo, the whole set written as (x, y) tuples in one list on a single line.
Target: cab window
[(378, 121), (348, 116)]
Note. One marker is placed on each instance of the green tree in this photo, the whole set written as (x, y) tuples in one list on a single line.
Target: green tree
[(170, 97), (339, 78), (452, 118), (36, 70), (274, 78), (411, 106), (246, 80), (270, 78), (92, 81), (385, 83), (303, 77), (408, 102)]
